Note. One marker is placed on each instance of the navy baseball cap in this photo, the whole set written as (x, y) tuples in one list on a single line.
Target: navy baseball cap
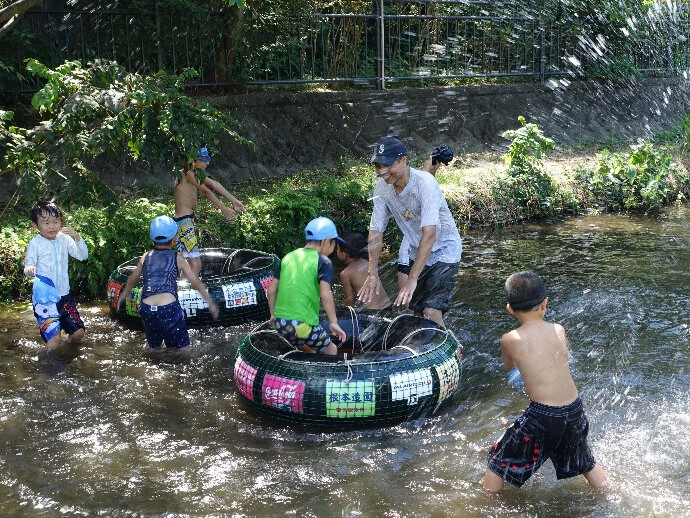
[(388, 150)]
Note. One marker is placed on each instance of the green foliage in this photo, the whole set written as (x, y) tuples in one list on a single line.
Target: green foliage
[(113, 236), (643, 179), (14, 238), (684, 133), (103, 111), (528, 190), (617, 68), (278, 211)]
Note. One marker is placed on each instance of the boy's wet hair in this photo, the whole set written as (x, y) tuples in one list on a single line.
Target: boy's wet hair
[(45, 209), (356, 246), (524, 291)]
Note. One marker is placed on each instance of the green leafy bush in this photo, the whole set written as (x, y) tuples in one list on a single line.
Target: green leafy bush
[(527, 190), (102, 111), (644, 179)]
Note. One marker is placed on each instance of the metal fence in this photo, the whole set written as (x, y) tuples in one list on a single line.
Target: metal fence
[(371, 48)]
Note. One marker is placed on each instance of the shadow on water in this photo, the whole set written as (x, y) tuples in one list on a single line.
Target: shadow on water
[(118, 432)]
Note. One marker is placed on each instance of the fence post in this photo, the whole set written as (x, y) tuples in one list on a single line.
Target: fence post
[(542, 55), (380, 48), (159, 56)]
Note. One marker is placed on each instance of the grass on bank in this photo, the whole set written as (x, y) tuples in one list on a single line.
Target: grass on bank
[(482, 190)]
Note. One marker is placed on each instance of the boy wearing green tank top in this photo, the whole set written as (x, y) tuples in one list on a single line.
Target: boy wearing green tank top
[(304, 282)]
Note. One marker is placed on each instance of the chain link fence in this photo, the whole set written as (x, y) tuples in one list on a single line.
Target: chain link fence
[(400, 41)]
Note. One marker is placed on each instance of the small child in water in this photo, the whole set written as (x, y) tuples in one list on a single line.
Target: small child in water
[(160, 310), (47, 256), (554, 425), (354, 274), (302, 285)]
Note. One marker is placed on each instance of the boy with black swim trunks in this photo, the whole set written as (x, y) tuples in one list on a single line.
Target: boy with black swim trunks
[(160, 310), (554, 425)]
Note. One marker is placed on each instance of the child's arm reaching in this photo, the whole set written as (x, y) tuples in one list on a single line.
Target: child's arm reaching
[(196, 283), (237, 205), (207, 189), (30, 260), (131, 281), (228, 212), (329, 308)]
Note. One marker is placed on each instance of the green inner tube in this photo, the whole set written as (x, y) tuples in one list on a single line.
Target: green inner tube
[(387, 371)]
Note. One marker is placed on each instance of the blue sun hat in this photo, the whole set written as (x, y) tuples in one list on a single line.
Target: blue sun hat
[(163, 229), (322, 228), (203, 156)]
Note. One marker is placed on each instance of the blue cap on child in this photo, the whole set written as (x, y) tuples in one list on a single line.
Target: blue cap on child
[(163, 229), (203, 156), (322, 228)]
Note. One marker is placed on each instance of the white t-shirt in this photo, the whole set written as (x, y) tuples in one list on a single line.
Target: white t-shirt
[(420, 204), (50, 257)]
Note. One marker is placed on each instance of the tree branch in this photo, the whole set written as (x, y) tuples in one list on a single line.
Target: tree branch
[(15, 9), (6, 28)]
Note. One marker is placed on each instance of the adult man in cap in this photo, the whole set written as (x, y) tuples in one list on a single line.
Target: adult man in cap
[(442, 155), (413, 198)]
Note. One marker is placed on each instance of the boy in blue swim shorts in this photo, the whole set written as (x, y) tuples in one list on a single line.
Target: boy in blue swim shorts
[(554, 425), (47, 256), (304, 282), (160, 310)]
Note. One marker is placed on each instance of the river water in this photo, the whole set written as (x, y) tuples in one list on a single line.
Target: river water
[(116, 432)]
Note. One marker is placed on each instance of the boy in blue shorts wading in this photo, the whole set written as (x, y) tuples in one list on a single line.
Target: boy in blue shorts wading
[(160, 311), (304, 281), (47, 257), (554, 426)]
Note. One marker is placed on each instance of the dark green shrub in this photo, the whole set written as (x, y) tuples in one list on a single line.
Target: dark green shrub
[(527, 191)]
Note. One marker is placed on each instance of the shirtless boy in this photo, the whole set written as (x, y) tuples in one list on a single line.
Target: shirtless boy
[(354, 274), (554, 425), (186, 188)]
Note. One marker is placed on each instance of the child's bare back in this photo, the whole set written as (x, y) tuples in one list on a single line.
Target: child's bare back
[(540, 351), (352, 278)]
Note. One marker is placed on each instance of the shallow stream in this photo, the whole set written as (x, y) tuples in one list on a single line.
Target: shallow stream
[(115, 432)]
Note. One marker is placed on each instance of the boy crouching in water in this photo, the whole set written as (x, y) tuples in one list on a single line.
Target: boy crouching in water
[(305, 279), (554, 425), (160, 311), (356, 270)]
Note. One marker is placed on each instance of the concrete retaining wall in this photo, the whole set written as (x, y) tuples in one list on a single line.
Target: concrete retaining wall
[(302, 131), (315, 130)]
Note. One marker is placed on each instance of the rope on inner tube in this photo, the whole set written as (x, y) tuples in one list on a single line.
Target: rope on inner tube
[(388, 329), (414, 353), (353, 320), (349, 369)]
